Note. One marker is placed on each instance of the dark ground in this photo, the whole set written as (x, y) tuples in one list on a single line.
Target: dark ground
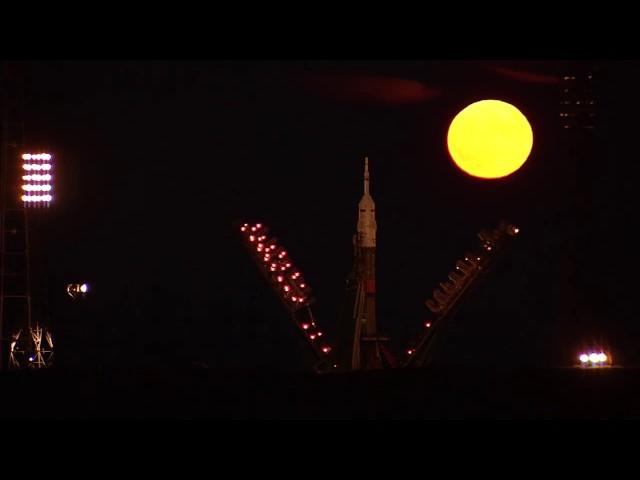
[(418, 394)]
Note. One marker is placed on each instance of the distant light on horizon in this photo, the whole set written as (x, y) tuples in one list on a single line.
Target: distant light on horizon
[(594, 359)]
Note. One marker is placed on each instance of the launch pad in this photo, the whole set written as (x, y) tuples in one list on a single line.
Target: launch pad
[(358, 345)]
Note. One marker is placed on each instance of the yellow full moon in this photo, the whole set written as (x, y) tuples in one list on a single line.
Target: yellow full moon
[(490, 139)]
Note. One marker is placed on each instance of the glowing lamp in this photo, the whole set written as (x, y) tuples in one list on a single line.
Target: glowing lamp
[(76, 290), (584, 358)]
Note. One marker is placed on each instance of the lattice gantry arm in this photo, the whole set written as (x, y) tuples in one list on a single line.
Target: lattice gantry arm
[(288, 283), (450, 292)]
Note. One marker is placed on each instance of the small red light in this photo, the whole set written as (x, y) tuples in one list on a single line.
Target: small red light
[(252, 238), (258, 225), (428, 324), (312, 336), (253, 229), (244, 229), (287, 288), (326, 349), (280, 278), (305, 326), (319, 334), (302, 285)]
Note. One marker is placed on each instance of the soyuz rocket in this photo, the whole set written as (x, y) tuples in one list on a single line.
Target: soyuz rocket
[(365, 351)]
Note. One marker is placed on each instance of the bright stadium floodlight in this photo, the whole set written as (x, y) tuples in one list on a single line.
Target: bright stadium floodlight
[(37, 182)]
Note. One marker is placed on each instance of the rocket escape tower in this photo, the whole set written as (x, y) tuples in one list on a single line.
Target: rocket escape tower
[(24, 184)]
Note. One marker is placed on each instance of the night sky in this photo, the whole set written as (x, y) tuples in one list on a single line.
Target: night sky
[(155, 161)]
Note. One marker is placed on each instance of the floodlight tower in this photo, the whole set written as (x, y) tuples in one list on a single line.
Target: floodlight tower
[(25, 184)]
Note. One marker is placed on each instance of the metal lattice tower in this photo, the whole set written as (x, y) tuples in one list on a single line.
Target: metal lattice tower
[(21, 342)]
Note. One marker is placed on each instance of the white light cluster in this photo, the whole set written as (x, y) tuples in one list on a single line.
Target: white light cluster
[(35, 166), (37, 198), (37, 156), (37, 182), (595, 359), (36, 177)]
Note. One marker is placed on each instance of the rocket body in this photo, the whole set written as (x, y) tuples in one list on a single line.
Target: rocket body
[(365, 353)]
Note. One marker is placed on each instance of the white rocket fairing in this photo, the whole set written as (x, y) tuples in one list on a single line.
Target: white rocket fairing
[(366, 214)]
